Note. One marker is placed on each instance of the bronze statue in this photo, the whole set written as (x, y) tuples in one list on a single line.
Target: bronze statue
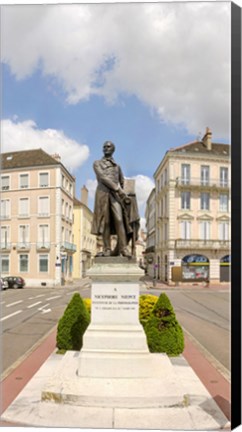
[(114, 211)]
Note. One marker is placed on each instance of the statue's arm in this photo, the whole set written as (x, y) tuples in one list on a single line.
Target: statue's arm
[(121, 178), (103, 178)]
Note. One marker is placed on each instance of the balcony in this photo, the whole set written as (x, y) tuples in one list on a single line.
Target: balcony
[(203, 244), (5, 246), (23, 246), (43, 246), (70, 247), (202, 184)]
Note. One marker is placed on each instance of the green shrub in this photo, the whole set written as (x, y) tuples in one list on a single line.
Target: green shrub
[(164, 333), (72, 325), (146, 305)]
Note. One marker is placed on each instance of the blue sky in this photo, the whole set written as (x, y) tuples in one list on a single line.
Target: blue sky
[(147, 77)]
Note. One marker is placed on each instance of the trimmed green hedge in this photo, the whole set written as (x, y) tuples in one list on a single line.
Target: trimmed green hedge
[(164, 333), (72, 325)]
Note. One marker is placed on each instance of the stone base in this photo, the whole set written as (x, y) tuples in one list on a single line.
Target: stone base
[(115, 269), (159, 388)]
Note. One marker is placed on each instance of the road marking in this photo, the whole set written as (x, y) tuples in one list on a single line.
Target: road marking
[(11, 315), (42, 307), (40, 295), (72, 292), (34, 304), (12, 304), (55, 297)]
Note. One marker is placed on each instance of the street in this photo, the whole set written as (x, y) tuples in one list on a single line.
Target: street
[(28, 314)]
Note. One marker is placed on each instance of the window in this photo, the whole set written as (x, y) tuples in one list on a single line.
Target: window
[(70, 212), (23, 234), (63, 207), (43, 263), (63, 181), (23, 181), (224, 173), (185, 174), (165, 176), (5, 182), (63, 234), (186, 200), (44, 206), (165, 205), (4, 236), (23, 207), (224, 202), (43, 234), (5, 209), (223, 228), (205, 230), (4, 263), (44, 179), (205, 198), (185, 230), (205, 174), (66, 211), (23, 263), (71, 189)]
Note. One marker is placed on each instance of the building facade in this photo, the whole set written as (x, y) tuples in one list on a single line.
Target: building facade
[(36, 218), (150, 216), (193, 217), (85, 241)]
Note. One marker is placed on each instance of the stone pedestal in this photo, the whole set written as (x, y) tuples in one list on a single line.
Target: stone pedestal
[(114, 344), (115, 269)]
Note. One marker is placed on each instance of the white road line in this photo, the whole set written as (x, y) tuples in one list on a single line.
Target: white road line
[(12, 304), (51, 298), (11, 315), (42, 307), (40, 295), (34, 304)]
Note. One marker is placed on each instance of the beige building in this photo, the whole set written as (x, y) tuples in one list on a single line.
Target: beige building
[(36, 218), (85, 241), (193, 213), (150, 217)]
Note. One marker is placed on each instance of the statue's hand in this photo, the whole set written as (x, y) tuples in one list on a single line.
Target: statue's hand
[(122, 195)]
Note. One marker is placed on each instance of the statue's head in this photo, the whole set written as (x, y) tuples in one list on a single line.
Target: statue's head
[(108, 148)]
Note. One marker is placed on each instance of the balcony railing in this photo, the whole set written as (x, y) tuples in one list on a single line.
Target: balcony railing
[(68, 246), (202, 183), (5, 246), (23, 246), (43, 246), (202, 244)]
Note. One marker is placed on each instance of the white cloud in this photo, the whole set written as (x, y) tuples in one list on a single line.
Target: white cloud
[(174, 57), (91, 186), (25, 135), (143, 187)]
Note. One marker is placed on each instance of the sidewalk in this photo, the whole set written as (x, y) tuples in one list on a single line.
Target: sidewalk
[(15, 382), (157, 284)]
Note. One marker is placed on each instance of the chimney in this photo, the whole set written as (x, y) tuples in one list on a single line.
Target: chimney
[(207, 139), (56, 156), (84, 195)]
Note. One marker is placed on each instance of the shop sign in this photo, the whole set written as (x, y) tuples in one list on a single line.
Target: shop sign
[(195, 259)]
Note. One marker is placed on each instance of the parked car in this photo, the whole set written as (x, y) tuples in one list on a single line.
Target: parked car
[(15, 281), (3, 284)]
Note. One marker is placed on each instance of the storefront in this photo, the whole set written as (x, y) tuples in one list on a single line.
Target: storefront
[(225, 269), (195, 268)]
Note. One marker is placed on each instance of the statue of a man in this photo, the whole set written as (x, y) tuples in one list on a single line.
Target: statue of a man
[(110, 211)]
